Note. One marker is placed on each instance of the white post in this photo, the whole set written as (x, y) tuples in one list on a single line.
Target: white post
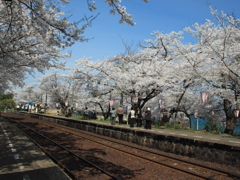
[(197, 123), (196, 116)]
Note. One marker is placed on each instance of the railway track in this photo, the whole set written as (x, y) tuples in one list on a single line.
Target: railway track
[(194, 170), (69, 161)]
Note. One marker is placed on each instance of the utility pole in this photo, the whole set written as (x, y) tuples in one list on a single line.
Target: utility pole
[(121, 100), (45, 109)]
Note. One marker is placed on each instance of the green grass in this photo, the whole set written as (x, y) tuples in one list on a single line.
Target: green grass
[(106, 120), (172, 126), (78, 117)]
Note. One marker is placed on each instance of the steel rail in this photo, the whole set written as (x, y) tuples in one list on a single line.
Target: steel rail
[(229, 174), (85, 160)]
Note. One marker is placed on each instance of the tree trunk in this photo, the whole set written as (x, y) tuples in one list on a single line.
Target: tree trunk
[(63, 108), (121, 100), (105, 115), (165, 119), (230, 119), (230, 124)]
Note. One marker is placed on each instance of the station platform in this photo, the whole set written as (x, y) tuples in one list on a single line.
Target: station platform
[(191, 134), (20, 159), (197, 135)]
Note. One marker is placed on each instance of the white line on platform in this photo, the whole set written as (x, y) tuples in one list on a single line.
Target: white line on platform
[(160, 131), (198, 136), (215, 139), (20, 166), (16, 156), (172, 133), (10, 145), (234, 141), (183, 134), (13, 150)]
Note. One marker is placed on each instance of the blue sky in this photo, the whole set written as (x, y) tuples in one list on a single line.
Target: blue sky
[(162, 15)]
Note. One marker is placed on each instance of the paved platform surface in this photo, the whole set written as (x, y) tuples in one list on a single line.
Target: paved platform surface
[(20, 159), (197, 135)]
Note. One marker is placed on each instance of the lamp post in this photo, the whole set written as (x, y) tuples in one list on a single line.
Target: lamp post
[(66, 107), (236, 113), (212, 116), (46, 100)]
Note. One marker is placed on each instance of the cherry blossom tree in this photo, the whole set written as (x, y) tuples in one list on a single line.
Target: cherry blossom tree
[(142, 74), (215, 58), (165, 65), (179, 79), (116, 7), (59, 89), (32, 37), (212, 63), (33, 33), (28, 93)]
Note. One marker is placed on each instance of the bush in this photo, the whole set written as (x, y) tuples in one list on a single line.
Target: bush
[(101, 119), (7, 103), (78, 117), (167, 125), (177, 126), (212, 125), (172, 126)]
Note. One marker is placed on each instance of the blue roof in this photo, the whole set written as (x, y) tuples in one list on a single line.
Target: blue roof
[(32, 102)]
